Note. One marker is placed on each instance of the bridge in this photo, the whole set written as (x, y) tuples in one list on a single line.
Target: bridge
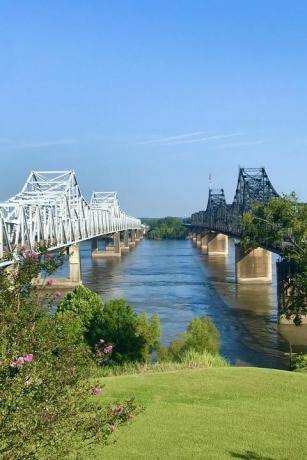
[(51, 209), (253, 186), (210, 229)]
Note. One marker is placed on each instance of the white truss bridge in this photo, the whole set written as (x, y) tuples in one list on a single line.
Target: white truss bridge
[(51, 208)]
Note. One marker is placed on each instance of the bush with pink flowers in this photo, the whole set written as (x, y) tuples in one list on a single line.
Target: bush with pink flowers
[(48, 392)]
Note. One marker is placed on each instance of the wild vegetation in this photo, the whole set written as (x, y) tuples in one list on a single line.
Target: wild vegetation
[(133, 338), (136, 339), (168, 228), (48, 380), (200, 337), (282, 223)]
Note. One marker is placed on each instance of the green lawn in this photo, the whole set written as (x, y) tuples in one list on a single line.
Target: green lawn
[(218, 413)]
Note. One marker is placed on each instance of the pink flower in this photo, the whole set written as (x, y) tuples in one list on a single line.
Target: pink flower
[(58, 294), (20, 361), (50, 282), (28, 358), (98, 353), (101, 341), (30, 254), (119, 410), (96, 391), (108, 349)]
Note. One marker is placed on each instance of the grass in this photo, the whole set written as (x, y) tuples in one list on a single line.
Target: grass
[(191, 360), (217, 413)]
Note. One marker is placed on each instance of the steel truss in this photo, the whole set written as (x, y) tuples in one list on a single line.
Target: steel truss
[(253, 186), (51, 208)]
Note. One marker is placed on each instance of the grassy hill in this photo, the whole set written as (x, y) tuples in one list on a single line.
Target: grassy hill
[(218, 413)]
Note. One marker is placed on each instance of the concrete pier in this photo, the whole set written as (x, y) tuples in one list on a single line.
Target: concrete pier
[(140, 234), (204, 244), (132, 238), (111, 250), (254, 266), (217, 244), (74, 264), (198, 240), (125, 243)]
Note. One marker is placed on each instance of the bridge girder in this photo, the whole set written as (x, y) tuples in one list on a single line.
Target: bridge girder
[(253, 186), (51, 208)]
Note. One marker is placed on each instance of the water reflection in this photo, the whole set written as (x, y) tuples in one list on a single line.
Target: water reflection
[(177, 281)]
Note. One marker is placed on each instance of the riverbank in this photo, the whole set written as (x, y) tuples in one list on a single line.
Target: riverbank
[(218, 413)]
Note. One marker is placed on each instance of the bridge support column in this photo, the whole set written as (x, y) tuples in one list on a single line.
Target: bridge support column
[(74, 264), (137, 236), (254, 266), (94, 245), (132, 238), (112, 250), (194, 237), (204, 244), (125, 243), (198, 240), (140, 234), (217, 244)]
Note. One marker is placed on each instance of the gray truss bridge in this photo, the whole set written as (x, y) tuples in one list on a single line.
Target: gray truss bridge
[(211, 228), (253, 186)]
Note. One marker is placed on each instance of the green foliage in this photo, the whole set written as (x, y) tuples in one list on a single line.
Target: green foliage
[(47, 407), (132, 338), (299, 363), (84, 302), (150, 330), (200, 337), (168, 228), (117, 323), (282, 223), (189, 360)]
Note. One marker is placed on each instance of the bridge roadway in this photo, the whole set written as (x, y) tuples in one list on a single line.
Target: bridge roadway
[(51, 209)]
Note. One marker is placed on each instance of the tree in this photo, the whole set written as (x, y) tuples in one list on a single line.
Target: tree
[(46, 406), (133, 338), (169, 228), (201, 335), (150, 331), (282, 223)]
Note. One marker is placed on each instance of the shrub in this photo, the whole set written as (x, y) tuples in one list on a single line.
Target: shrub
[(84, 302), (133, 338), (46, 399), (117, 323), (201, 336), (299, 363)]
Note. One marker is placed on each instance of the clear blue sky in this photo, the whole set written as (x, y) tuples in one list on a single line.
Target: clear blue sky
[(149, 97)]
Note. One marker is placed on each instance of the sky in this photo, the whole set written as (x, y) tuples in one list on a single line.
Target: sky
[(148, 98)]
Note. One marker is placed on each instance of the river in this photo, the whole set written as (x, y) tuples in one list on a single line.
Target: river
[(177, 281)]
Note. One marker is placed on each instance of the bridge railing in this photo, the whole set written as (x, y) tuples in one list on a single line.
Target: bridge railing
[(57, 217)]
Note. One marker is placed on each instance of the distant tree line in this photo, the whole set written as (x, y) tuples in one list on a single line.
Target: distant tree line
[(167, 228)]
